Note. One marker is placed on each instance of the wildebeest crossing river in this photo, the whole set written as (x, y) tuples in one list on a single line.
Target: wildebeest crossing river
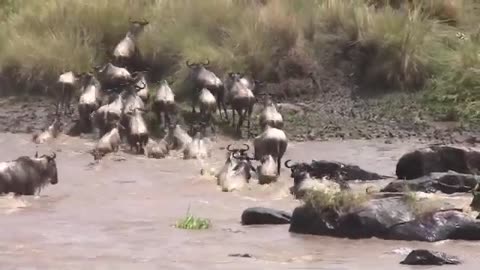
[(119, 214)]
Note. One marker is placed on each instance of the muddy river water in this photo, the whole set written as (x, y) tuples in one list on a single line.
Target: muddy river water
[(119, 214)]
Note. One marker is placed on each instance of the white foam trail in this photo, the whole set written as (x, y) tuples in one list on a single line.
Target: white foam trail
[(10, 204)]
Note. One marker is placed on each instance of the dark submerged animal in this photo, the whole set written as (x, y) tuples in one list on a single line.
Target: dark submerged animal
[(437, 159), (336, 171), (26, 175)]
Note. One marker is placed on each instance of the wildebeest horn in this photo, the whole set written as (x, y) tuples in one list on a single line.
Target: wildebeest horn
[(242, 156), (230, 150), (206, 63), (54, 155), (286, 163), (246, 149), (141, 87), (189, 64)]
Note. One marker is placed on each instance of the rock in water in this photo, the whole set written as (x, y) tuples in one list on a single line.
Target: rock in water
[(437, 226), (387, 218), (261, 215), (426, 257), (372, 219)]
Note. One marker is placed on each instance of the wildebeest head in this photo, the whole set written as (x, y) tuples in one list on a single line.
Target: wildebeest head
[(240, 153), (50, 171), (299, 171), (136, 27), (197, 65)]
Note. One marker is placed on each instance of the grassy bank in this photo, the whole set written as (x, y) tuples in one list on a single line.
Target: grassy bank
[(392, 46)]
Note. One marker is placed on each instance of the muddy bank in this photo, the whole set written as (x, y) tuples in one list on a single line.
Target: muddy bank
[(326, 117)]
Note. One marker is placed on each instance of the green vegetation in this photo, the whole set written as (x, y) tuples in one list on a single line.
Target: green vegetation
[(430, 45), (191, 222)]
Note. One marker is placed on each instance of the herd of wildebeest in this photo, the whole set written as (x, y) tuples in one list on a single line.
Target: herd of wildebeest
[(113, 100)]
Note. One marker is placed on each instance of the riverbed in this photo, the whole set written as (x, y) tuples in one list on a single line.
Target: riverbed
[(119, 214)]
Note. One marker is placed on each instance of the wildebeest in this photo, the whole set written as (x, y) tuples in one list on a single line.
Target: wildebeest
[(236, 172), (26, 175), (208, 106), (142, 86), (50, 133), (270, 115), (242, 100), (272, 141), (126, 50), (177, 138), (90, 100), (267, 170), (137, 135), (198, 148), (110, 142), (69, 82), (201, 78), (108, 115), (131, 99), (437, 158), (164, 103), (113, 77), (155, 149)]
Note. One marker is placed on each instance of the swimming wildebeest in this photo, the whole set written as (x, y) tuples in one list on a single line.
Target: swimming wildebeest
[(272, 141), (26, 175), (48, 134), (236, 172), (437, 158)]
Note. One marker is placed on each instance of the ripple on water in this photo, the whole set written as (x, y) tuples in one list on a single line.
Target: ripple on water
[(10, 204)]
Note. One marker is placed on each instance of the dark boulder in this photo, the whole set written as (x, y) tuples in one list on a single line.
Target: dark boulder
[(436, 226), (261, 215), (446, 182), (427, 257), (372, 219), (437, 158), (387, 218)]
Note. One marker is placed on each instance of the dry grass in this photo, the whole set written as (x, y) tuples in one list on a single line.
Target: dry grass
[(409, 47), (341, 201)]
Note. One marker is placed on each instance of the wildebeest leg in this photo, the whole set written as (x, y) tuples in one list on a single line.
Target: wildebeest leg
[(194, 99), (29, 189), (221, 103), (241, 118), (249, 116), (233, 117), (279, 164)]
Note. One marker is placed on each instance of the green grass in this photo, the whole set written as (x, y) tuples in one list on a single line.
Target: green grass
[(191, 222), (411, 48)]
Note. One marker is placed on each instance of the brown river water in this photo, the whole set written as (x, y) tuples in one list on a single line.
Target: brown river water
[(119, 214)]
